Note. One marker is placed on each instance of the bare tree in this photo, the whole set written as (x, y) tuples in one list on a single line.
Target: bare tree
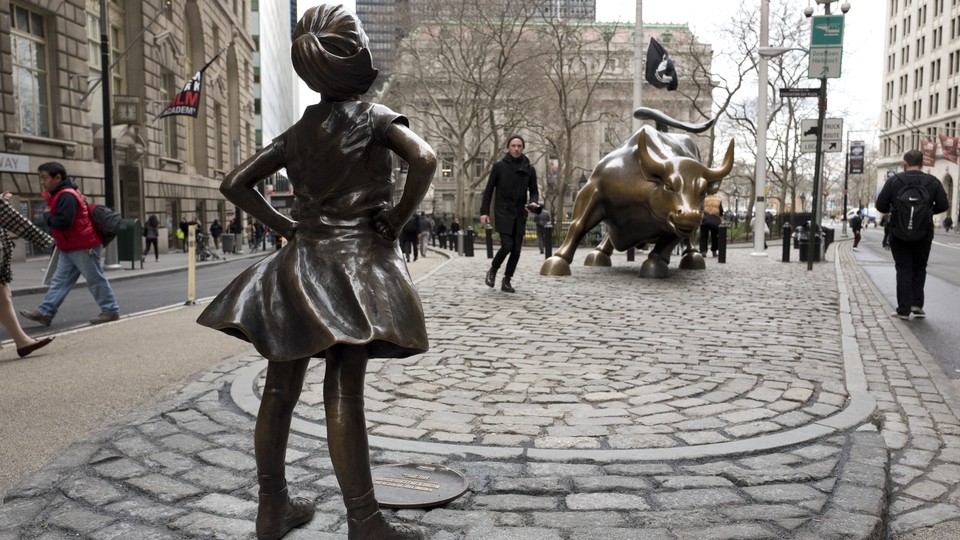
[(462, 73), (576, 58), (785, 163)]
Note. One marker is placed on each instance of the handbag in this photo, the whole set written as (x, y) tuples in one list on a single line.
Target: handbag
[(16, 223)]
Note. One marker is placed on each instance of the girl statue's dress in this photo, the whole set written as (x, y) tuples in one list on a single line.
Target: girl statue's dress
[(337, 281)]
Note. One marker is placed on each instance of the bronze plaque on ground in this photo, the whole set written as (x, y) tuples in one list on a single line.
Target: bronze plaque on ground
[(415, 485)]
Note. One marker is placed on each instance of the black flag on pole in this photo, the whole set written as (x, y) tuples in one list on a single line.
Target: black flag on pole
[(660, 71), (187, 101)]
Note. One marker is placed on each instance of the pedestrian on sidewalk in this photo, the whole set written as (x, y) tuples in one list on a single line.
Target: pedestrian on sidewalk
[(151, 231), (947, 224), (911, 252), (68, 218), (340, 289), (511, 178), (856, 224), (16, 223), (710, 226), (424, 227), (216, 229), (541, 221), (409, 238)]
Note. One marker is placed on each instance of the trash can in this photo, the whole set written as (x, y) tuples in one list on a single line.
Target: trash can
[(803, 242), (828, 236), (227, 243), (129, 241)]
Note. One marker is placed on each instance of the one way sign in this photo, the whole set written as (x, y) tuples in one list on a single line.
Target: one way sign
[(832, 135)]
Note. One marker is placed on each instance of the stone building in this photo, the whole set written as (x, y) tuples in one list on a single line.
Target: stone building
[(921, 86), (51, 102)]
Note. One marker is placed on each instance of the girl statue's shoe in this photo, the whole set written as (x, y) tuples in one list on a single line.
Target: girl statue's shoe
[(278, 513)]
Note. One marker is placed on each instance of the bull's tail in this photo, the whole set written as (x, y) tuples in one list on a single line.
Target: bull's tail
[(643, 113)]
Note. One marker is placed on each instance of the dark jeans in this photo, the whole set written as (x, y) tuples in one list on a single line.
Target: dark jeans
[(856, 237), (510, 244), (156, 250), (713, 231), (910, 259)]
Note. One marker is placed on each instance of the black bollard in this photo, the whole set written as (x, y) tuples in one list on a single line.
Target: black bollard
[(548, 240), (631, 254), (489, 233), (786, 243), (468, 243), (722, 248)]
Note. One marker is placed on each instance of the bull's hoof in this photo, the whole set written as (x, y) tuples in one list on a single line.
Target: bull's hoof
[(555, 266), (654, 268), (597, 258), (693, 260)]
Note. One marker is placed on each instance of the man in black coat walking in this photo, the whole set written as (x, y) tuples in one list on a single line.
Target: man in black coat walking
[(512, 178), (910, 256)]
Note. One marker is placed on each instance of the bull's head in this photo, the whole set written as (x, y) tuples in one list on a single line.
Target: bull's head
[(683, 184)]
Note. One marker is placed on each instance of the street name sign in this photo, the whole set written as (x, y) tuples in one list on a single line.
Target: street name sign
[(799, 92), (832, 135), (826, 47)]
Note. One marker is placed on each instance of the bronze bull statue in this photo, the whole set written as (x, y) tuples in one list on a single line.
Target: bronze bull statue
[(649, 190)]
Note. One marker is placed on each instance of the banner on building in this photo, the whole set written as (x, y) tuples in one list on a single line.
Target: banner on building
[(187, 101), (929, 150), (949, 145), (855, 156), (660, 71)]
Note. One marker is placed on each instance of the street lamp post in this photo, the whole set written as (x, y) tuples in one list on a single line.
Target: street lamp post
[(759, 211)]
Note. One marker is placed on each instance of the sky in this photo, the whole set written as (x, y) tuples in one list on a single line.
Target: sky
[(857, 91)]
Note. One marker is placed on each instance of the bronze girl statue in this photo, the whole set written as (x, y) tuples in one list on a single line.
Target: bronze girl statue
[(339, 290)]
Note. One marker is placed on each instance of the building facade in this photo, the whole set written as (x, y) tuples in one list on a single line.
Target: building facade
[(51, 102), (921, 86), (275, 90), (386, 22)]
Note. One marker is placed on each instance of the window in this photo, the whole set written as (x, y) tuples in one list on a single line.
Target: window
[(117, 80), (446, 166), (29, 50), (168, 127), (93, 40)]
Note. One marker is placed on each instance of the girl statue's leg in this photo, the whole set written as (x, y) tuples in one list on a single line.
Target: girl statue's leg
[(349, 451), (277, 512)]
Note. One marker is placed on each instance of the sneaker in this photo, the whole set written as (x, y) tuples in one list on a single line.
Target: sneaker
[(36, 316), (856, 249), (918, 312), (901, 315), (105, 318)]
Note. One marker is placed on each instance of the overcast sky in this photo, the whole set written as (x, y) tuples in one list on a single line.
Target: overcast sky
[(857, 91)]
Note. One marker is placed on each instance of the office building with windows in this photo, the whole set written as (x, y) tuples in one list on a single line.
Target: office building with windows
[(921, 86), (51, 106)]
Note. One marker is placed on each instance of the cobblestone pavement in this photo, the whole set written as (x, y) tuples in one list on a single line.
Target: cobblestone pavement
[(748, 401)]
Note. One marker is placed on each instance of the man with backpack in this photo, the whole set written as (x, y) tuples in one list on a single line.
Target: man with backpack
[(71, 226), (912, 198)]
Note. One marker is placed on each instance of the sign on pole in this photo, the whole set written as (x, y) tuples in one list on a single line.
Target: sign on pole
[(799, 92), (832, 135), (826, 47), (856, 157)]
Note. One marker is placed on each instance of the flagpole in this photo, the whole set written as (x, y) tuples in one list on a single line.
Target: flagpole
[(112, 261), (638, 65)]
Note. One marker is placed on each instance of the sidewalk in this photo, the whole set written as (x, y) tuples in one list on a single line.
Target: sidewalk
[(28, 274), (747, 401)]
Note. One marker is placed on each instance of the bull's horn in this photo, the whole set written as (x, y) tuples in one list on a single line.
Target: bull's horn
[(647, 162), (724, 169)]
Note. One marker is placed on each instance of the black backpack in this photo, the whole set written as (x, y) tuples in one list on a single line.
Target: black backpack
[(106, 222), (912, 213)]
